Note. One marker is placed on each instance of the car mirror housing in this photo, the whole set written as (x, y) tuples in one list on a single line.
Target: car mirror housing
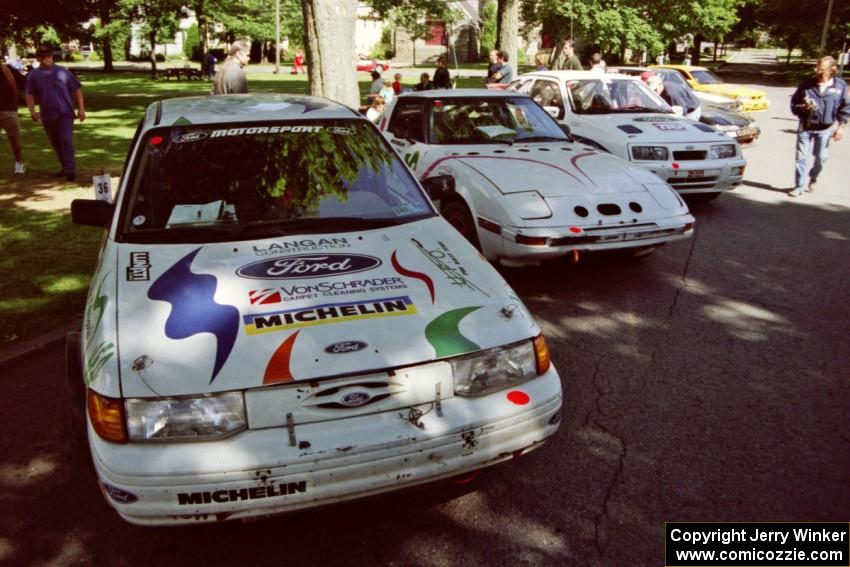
[(92, 213), (439, 186)]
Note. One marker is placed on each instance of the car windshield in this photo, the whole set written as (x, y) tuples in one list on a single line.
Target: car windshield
[(673, 77), (237, 182), (611, 96), (704, 77), (491, 120)]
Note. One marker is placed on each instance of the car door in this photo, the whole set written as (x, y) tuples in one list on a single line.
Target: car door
[(407, 131)]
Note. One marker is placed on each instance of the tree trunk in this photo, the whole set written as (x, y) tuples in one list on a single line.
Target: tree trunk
[(152, 39), (697, 46), (107, 43), (329, 42), (201, 16), (507, 29)]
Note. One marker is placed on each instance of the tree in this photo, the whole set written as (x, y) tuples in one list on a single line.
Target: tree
[(329, 45), (19, 19), (158, 18), (414, 16), (507, 17)]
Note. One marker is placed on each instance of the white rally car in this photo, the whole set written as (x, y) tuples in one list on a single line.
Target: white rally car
[(621, 115), (516, 185), (279, 319)]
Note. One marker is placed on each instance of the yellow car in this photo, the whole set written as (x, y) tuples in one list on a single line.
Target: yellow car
[(701, 79)]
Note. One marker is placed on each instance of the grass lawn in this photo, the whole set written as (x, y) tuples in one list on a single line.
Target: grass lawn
[(47, 261)]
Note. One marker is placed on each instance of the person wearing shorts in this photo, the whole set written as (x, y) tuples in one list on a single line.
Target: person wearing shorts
[(9, 115)]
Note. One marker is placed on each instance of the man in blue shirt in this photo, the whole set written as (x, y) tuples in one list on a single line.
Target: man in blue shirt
[(57, 92), (822, 104)]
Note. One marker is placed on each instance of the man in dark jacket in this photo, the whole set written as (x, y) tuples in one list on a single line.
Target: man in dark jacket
[(823, 106), (230, 77), (442, 79)]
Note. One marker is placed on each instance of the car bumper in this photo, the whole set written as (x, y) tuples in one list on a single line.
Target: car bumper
[(260, 473), (756, 105), (561, 241), (707, 176)]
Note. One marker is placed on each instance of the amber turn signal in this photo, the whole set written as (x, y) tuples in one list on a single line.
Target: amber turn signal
[(107, 417), (541, 354)]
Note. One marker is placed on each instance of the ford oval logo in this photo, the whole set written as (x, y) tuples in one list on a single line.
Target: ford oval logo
[(305, 266), (345, 346), (355, 399)]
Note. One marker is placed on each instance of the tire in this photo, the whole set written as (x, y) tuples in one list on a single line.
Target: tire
[(379, 68), (76, 391), (457, 214)]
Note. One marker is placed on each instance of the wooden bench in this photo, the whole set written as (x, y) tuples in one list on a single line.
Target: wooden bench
[(183, 72)]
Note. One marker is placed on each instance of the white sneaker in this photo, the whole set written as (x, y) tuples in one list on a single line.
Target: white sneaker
[(796, 192), (20, 168)]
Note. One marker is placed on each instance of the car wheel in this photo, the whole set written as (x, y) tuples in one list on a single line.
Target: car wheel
[(458, 215), (76, 391), (379, 68)]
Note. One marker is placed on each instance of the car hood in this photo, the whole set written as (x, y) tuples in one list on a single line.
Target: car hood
[(734, 91), (557, 170), (649, 128), (214, 317), (721, 117)]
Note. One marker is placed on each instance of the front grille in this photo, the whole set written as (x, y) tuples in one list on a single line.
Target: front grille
[(687, 182), (606, 234), (689, 155)]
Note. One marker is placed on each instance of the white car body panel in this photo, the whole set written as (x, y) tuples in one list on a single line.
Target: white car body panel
[(618, 133), (302, 325), (533, 189)]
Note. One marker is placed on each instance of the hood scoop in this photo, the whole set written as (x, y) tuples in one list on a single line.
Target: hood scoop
[(629, 129)]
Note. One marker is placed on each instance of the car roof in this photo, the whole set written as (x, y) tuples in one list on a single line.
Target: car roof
[(682, 67), (445, 93), (566, 75), (242, 108)]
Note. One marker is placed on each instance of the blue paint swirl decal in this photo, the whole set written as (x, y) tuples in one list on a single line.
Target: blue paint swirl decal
[(194, 309)]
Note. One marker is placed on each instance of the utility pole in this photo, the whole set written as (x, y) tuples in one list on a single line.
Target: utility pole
[(277, 36), (825, 28)]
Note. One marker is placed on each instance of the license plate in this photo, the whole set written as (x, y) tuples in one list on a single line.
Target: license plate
[(696, 173)]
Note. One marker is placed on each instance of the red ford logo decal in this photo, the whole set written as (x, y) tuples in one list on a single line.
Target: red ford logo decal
[(306, 266)]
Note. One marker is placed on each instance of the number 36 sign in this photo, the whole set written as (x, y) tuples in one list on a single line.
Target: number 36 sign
[(102, 188)]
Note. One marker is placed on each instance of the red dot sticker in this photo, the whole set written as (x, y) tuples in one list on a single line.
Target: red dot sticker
[(518, 398), (575, 229), (156, 140), (675, 165)]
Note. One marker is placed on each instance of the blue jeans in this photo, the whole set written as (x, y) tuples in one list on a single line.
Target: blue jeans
[(818, 142), (60, 131)]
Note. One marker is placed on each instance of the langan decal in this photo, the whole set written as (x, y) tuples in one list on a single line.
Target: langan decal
[(306, 266), (258, 323)]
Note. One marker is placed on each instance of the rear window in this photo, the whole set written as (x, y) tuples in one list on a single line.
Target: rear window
[(224, 182)]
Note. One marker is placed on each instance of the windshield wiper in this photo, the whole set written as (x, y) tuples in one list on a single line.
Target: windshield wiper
[(541, 139), (641, 109)]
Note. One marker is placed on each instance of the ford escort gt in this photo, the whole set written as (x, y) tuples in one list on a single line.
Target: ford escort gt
[(514, 184), (279, 319), (621, 115)]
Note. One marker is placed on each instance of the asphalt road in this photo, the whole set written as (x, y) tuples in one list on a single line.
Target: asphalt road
[(707, 382)]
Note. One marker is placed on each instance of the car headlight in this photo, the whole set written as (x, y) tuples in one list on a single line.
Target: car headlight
[(649, 153), (185, 419), (499, 368), (722, 151)]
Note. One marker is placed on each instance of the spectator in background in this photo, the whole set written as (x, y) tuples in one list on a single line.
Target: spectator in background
[(9, 114), (424, 83), (298, 63), (211, 61), (822, 103), (567, 59), (376, 109), (397, 86), (505, 74), (493, 67), (377, 83), (56, 91), (230, 78), (540, 62), (596, 62), (387, 93), (442, 79)]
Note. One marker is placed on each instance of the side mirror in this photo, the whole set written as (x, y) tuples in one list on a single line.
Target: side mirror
[(555, 112), (92, 213), (566, 130), (439, 186)]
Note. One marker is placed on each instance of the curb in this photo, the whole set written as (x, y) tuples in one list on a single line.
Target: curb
[(14, 353)]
